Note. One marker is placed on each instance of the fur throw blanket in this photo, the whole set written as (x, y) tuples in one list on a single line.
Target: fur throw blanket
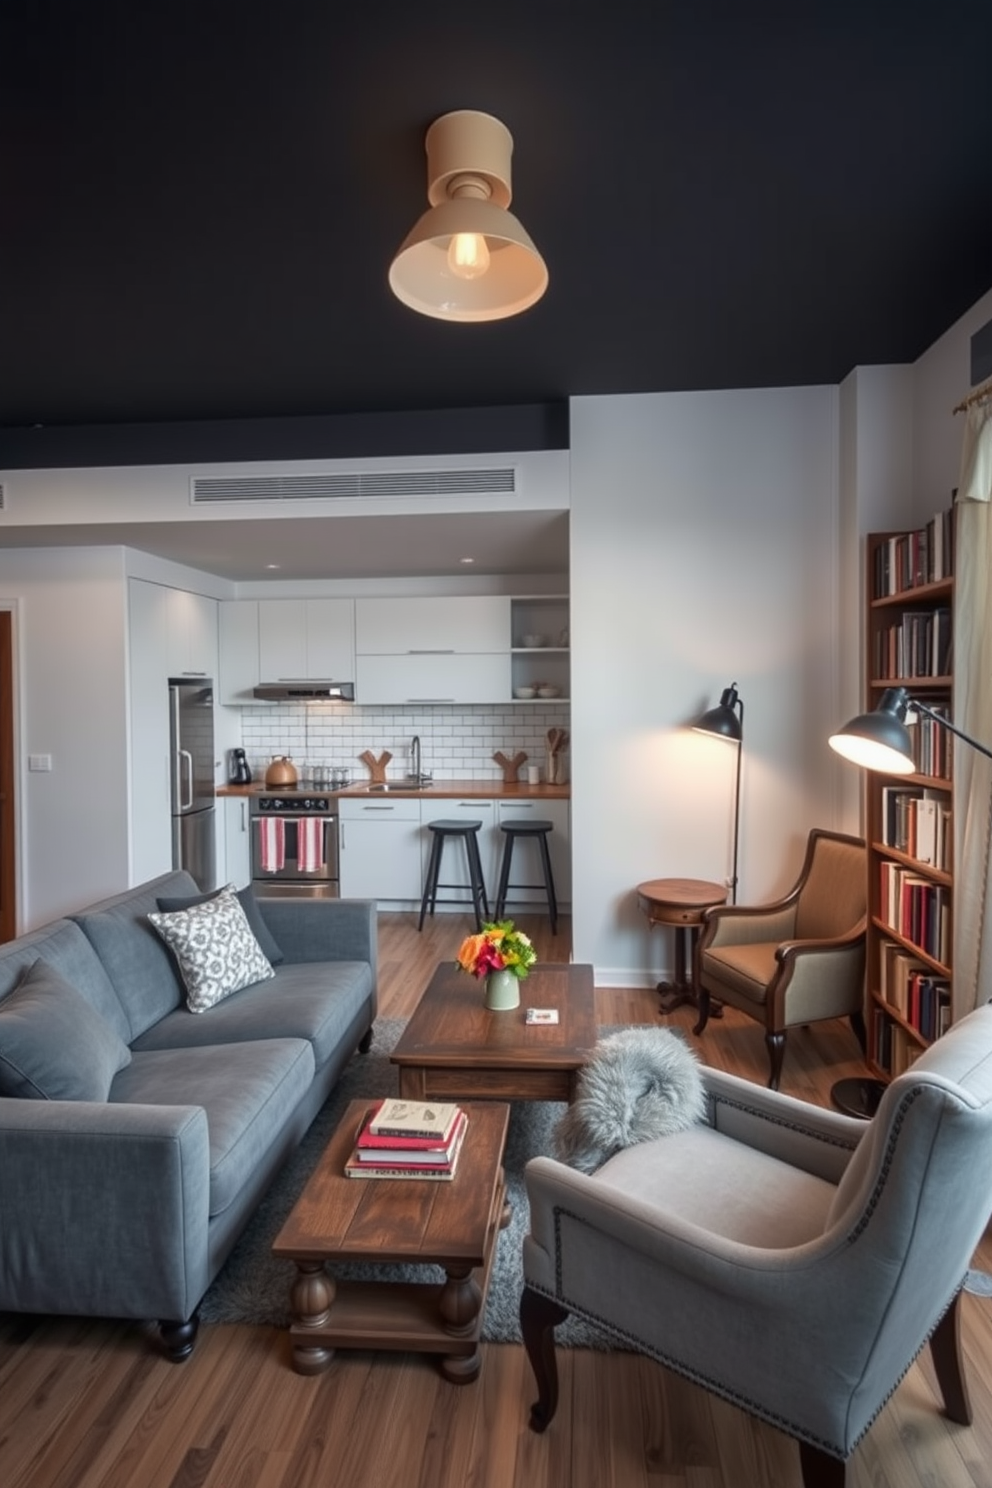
[(639, 1084)]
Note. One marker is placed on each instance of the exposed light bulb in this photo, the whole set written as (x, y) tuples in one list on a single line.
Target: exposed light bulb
[(468, 255)]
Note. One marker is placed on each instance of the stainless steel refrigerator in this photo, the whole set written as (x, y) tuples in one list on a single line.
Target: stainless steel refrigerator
[(194, 820)]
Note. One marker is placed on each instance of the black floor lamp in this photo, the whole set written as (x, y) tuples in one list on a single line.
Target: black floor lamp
[(726, 721), (880, 740)]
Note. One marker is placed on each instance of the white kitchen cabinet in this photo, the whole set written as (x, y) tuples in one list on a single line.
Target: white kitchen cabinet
[(306, 638), (454, 862), (236, 823), (432, 623), (192, 634), (272, 640), (148, 735), (238, 635), (381, 849), (433, 678), (526, 865), (171, 633)]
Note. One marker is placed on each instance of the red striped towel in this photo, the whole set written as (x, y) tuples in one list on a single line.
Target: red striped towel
[(272, 831), (310, 843)]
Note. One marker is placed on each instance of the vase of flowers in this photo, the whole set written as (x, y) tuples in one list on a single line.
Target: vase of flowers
[(503, 956)]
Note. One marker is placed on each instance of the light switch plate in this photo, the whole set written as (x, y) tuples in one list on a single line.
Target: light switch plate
[(39, 761)]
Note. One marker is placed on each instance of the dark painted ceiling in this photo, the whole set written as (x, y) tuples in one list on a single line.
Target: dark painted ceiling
[(199, 200)]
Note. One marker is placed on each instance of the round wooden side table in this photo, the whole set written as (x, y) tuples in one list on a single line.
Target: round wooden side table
[(681, 902)]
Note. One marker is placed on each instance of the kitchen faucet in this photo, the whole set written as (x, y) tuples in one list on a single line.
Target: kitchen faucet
[(416, 774)]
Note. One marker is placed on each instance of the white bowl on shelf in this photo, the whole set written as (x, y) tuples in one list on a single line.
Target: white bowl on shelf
[(549, 692), (533, 641), (524, 692)]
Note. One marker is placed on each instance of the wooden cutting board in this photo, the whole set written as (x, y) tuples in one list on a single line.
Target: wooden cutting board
[(377, 767)]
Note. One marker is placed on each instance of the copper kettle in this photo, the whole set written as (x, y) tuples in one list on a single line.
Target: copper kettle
[(281, 772)]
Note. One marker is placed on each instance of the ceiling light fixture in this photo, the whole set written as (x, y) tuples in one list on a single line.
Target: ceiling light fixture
[(468, 258)]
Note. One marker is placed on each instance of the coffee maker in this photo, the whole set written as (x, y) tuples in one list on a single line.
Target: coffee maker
[(238, 772)]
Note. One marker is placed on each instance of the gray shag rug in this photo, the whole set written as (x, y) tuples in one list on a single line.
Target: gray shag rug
[(253, 1286)]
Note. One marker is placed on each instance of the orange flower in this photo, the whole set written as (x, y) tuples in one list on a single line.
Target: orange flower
[(470, 952)]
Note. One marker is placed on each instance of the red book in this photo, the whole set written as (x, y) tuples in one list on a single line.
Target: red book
[(386, 1166), (370, 1139), (424, 1157)]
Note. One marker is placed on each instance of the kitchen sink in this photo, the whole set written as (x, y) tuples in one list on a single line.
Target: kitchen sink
[(423, 783)]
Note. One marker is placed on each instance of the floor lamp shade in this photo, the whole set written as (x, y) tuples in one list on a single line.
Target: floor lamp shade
[(726, 721), (880, 740)]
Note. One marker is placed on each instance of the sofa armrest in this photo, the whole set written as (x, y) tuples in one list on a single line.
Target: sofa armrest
[(105, 1208), (323, 929)]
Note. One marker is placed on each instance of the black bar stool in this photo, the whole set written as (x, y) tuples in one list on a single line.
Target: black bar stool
[(468, 831), (538, 830)]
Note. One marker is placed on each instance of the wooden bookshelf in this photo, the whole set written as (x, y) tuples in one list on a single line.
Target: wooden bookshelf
[(909, 818)]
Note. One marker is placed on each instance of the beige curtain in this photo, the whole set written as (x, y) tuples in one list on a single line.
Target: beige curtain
[(972, 950)]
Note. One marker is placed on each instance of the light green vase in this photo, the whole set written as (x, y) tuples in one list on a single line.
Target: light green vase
[(502, 991)]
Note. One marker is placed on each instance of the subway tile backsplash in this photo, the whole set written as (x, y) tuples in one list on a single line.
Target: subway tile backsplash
[(457, 742)]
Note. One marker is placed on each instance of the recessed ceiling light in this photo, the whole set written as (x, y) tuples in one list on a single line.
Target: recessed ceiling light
[(272, 565), (466, 560)]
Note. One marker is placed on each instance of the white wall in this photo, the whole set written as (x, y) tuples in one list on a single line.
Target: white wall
[(704, 533), (876, 479), (70, 650)]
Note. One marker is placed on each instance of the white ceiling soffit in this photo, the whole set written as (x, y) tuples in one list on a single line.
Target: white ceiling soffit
[(351, 485)]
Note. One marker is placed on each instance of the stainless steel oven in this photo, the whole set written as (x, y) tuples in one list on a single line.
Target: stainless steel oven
[(294, 845)]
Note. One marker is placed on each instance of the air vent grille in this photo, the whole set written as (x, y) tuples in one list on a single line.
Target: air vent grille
[(349, 485), (3, 498)]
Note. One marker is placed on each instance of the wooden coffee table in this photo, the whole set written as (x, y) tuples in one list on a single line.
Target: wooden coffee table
[(454, 1048), (397, 1221)]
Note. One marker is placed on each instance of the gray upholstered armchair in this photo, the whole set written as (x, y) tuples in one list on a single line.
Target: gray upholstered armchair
[(789, 1259), (797, 960)]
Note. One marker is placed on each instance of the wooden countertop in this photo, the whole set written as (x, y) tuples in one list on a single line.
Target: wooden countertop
[(443, 790)]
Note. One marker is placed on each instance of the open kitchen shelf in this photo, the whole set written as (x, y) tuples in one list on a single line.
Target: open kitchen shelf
[(545, 617)]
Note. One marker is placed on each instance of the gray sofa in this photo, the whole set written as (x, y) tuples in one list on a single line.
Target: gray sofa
[(128, 1206)]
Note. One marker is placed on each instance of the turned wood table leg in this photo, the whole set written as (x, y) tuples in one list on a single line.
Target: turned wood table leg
[(311, 1297), (459, 1306), (680, 903)]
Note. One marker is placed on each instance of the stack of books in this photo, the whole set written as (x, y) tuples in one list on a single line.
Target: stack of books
[(409, 1139)]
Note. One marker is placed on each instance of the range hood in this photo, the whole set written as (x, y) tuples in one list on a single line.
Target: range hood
[(304, 690)]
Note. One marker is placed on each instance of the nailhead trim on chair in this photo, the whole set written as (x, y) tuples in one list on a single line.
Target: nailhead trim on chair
[(897, 1123), (796, 1126)]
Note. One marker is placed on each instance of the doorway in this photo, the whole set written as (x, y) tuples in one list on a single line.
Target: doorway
[(8, 882)]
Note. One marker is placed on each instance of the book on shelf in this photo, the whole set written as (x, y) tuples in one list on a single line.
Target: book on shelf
[(908, 560), (431, 1173), (916, 645), (405, 1118), (400, 1151), (921, 998), (916, 908), (893, 1047)]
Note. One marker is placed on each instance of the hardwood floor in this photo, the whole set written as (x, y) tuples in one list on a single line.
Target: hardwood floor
[(85, 1404)]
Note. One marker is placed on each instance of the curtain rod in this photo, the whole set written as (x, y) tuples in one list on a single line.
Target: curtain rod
[(979, 394)]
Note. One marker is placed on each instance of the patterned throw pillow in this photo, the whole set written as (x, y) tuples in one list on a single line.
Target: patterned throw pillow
[(215, 948)]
